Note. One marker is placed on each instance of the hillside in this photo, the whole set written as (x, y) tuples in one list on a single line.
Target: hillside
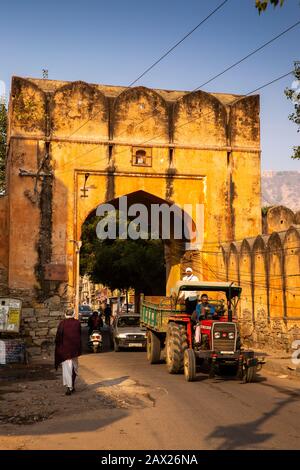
[(281, 188)]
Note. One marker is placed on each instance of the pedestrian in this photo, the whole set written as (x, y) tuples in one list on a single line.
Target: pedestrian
[(68, 349), (107, 314), (190, 297)]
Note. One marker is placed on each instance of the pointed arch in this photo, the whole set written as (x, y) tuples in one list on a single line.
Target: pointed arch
[(245, 273), (291, 248), (245, 125), (200, 119), (275, 276), (79, 110), (140, 114), (28, 114), (233, 263), (260, 291)]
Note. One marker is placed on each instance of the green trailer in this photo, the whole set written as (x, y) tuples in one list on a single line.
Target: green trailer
[(155, 316)]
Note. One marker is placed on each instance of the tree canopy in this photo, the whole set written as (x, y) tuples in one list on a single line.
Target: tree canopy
[(123, 264), (262, 5), (293, 94)]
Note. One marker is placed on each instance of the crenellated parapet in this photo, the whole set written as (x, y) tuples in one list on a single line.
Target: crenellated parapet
[(80, 111)]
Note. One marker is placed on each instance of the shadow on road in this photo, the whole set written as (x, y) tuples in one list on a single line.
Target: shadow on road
[(249, 434), (91, 421)]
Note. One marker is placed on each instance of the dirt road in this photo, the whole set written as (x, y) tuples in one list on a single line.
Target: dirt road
[(122, 402)]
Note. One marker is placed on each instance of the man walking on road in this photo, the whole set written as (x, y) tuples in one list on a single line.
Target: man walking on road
[(107, 314), (68, 349)]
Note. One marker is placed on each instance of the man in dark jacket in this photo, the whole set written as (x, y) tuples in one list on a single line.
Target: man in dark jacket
[(68, 349), (95, 322), (107, 314)]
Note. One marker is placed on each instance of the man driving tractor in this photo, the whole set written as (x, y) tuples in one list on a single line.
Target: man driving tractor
[(204, 311)]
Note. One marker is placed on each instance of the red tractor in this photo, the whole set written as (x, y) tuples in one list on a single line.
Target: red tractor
[(169, 327)]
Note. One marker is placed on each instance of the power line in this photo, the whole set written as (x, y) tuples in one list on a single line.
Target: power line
[(250, 54), (205, 83), (157, 61), (217, 276), (248, 273), (177, 44)]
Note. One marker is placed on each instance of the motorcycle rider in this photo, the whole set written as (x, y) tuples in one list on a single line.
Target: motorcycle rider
[(95, 322)]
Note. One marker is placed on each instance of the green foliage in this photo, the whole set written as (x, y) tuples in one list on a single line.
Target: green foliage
[(293, 94), (264, 210), (122, 264), (262, 5), (3, 133)]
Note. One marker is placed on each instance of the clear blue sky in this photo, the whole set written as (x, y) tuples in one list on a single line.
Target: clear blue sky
[(112, 42)]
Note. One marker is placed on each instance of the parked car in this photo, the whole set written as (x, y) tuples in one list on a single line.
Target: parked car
[(85, 312), (127, 332)]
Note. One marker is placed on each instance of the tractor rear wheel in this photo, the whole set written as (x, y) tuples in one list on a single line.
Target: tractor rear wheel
[(176, 344), (189, 365), (153, 348)]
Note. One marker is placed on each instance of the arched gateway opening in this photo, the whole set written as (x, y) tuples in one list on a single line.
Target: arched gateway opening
[(136, 241)]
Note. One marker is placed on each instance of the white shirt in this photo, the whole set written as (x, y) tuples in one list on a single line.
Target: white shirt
[(191, 295)]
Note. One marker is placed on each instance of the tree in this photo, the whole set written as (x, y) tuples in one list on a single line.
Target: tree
[(293, 94), (262, 5), (3, 132), (123, 264)]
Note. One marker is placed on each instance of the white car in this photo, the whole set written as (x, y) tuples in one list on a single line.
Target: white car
[(127, 332)]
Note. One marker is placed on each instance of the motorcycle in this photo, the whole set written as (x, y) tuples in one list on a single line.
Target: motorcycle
[(95, 341)]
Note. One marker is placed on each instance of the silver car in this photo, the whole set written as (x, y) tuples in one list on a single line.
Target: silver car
[(127, 332)]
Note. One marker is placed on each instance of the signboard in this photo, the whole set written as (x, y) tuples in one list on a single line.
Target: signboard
[(10, 315), (55, 272)]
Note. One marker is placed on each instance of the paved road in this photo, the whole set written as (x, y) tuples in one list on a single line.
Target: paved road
[(206, 414)]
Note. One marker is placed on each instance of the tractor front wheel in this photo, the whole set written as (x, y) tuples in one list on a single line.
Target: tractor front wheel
[(189, 365)]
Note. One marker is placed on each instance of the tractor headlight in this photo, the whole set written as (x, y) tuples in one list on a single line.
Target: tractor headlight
[(231, 335), (217, 335)]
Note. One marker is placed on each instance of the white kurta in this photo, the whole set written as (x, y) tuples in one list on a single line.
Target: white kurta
[(67, 370), (191, 295)]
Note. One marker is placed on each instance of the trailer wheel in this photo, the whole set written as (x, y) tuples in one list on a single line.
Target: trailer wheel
[(250, 374), (153, 348), (189, 365), (176, 344)]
